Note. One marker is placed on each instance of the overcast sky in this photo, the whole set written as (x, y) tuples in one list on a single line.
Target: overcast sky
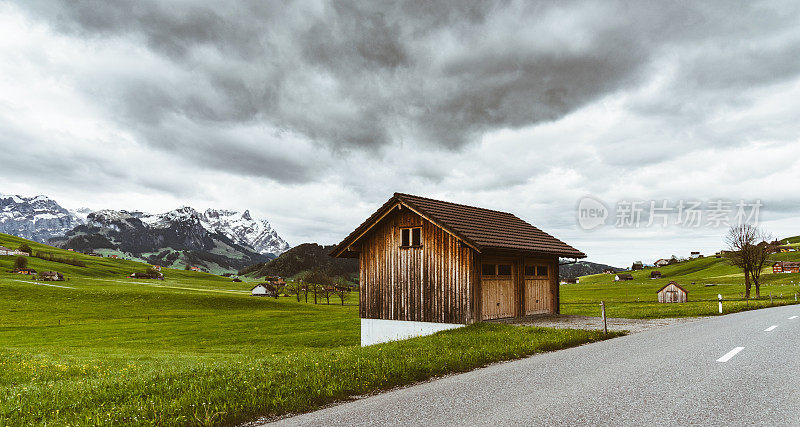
[(311, 115)]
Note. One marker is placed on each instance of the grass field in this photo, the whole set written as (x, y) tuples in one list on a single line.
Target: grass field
[(196, 349), (704, 278)]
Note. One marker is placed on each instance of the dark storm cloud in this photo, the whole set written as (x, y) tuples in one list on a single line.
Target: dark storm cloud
[(361, 76)]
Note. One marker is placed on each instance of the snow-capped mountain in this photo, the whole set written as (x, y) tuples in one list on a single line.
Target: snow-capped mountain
[(81, 213), (245, 230), (176, 238), (36, 218), (219, 239)]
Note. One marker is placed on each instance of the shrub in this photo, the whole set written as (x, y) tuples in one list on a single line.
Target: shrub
[(20, 262)]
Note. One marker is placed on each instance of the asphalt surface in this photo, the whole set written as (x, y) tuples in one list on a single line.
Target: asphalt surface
[(668, 376)]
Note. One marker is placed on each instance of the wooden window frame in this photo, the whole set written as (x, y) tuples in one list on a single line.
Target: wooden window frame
[(410, 231), (536, 268)]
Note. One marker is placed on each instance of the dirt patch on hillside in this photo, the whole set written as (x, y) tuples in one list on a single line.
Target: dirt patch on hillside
[(587, 322)]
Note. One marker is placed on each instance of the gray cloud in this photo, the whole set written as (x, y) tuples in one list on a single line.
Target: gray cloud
[(366, 75)]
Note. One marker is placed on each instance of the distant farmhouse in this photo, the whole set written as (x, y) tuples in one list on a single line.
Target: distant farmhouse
[(638, 265), (51, 276), (786, 267), (428, 265), (571, 280), (622, 276), (661, 263), (672, 292), (785, 248), (695, 254), (609, 271), (655, 274), (12, 252)]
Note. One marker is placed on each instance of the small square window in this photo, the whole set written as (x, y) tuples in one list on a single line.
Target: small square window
[(541, 270), (488, 269), (504, 270), (530, 270), (410, 237)]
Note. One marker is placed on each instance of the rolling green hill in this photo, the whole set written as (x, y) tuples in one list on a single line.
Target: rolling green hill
[(704, 278)]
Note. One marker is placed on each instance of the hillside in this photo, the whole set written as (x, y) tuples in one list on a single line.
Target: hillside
[(307, 256), (582, 268)]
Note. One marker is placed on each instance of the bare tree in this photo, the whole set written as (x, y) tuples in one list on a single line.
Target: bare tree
[(761, 253), (746, 251)]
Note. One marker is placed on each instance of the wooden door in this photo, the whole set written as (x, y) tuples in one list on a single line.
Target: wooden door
[(538, 294), (497, 290)]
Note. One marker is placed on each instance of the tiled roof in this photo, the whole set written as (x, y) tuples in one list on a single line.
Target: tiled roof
[(478, 227)]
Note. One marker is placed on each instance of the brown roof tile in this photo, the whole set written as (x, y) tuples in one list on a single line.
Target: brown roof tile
[(478, 227)]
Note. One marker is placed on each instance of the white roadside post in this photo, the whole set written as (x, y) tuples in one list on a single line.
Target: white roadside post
[(603, 310), (720, 303)]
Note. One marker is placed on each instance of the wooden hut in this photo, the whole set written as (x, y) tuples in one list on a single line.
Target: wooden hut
[(427, 265), (655, 274), (673, 292), (623, 276)]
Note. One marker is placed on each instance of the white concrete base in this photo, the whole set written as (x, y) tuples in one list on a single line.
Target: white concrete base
[(375, 331)]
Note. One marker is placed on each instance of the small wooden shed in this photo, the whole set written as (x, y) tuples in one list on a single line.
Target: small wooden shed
[(426, 264), (655, 274), (673, 292), (623, 276)]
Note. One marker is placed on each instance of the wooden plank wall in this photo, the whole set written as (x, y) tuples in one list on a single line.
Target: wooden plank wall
[(672, 293), (434, 283)]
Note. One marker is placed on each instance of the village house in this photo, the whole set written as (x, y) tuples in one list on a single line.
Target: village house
[(264, 290), (609, 271), (655, 274), (695, 254), (785, 248), (157, 267), (672, 292), (786, 267), (622, 276), (428, 265), (661, 263), (51, 276), (638, 265), (12, 252), (570, 280), (26, 271)]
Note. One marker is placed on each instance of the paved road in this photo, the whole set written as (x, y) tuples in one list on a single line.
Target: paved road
[(667, 376)]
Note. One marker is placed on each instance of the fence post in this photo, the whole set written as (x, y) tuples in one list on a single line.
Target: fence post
[(770, 298), (720, 303), (603, 311)]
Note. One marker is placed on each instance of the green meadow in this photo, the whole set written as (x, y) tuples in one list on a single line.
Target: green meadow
[(196, 349), (704, 278)]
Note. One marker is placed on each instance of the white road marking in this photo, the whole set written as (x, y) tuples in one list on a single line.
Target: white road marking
[(729, 355), (771, 328), (793, 317), (44, 284)]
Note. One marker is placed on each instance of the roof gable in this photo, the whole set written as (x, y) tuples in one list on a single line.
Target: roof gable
[(676, 285), (478, 228)]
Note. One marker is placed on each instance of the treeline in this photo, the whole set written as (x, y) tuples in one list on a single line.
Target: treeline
[(47, 256)]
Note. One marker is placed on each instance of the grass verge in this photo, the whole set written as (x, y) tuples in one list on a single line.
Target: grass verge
[(48, 389)]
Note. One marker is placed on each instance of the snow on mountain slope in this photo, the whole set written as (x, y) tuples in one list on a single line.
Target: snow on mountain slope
[(36, 218), (245, 230), (41, 218)]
